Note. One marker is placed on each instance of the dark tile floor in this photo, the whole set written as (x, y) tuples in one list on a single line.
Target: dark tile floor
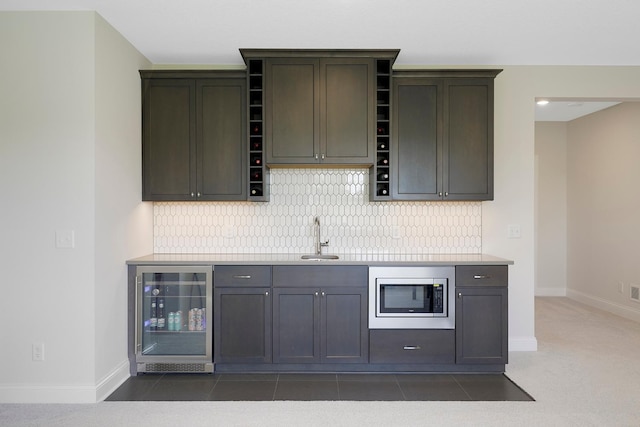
[(391, 387)]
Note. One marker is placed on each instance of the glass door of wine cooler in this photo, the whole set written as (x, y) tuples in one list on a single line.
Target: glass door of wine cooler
[(173, 316)]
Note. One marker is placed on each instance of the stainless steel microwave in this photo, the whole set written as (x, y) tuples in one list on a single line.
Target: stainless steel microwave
[(411, 298)]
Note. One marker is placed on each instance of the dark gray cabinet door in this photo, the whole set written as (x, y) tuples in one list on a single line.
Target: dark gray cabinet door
[(417, 139), (168, 143), (221, 139), (347, 111), (482, 325), (242, 325), (194, 138), (319, 110), (296, 325), (344, 335), (292, 110), (468, 138)]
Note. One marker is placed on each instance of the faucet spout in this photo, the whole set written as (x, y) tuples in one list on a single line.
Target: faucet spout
[(316, 232)]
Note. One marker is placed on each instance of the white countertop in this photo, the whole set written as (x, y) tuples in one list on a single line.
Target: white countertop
[(345, 259)]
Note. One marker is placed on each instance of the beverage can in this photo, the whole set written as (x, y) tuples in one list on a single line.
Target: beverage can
[(172, 321)]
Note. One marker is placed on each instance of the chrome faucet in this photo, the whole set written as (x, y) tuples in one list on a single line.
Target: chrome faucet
[(316, 232)]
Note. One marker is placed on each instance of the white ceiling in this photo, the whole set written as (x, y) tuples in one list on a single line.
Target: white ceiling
[(428, 32)]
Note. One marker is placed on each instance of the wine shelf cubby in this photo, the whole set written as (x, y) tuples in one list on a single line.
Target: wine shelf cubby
[(380, 172), (258, 173)]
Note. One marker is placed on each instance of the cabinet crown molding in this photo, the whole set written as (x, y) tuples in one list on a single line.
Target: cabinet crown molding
[(390, 54)]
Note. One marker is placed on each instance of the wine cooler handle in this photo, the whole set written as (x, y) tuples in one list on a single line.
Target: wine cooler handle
[(138, 312), (411, 347)]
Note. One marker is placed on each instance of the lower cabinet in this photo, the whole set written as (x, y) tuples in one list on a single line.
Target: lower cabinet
[(327, 325), (281, 317), (242, 314), (481, 315), (320, 314), (242, 325)]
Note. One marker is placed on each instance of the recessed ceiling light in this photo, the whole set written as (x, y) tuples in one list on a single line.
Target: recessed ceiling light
[(542, 102)]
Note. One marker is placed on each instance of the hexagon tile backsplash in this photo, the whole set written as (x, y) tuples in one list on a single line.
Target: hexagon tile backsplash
[(340, 198)]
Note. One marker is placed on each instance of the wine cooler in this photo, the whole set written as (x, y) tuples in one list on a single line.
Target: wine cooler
[(173, 319)]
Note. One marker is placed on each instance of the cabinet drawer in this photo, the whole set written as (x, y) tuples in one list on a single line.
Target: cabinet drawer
[(242, 275), (412, 346), (319, 275), (482, 275)]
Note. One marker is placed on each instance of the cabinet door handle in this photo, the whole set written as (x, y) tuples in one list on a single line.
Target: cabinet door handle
[(323, 293), (316, 293), (199, 194), (316, 156), (266, 293), (322, 156), (248, 276), (481, 276), (411, 347), (192, 194), (459, 295)]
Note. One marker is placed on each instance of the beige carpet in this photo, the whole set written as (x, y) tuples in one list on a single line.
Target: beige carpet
[(586, 373)]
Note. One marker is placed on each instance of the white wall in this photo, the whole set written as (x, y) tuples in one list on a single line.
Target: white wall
[(516, 90), (551, 208), (603, 207), (123, 228), (54, 131)]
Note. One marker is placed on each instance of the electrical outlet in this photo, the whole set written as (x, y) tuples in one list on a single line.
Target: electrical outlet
[(37, 352)]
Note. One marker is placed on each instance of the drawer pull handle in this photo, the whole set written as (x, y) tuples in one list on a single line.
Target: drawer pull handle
[(411, 347), (481, 276), (242, 277)]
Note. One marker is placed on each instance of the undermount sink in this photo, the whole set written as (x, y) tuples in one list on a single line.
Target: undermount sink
[(316, 257)]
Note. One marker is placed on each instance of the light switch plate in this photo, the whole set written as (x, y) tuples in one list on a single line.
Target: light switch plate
[(513, 231), (65, 239)]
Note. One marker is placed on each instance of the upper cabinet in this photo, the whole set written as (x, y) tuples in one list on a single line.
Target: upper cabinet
[(194, 135), (319, 106), (212, 135), (441, 144)]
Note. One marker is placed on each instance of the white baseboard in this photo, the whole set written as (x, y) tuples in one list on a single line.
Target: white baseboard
[(602, 304), (45, 393), (550, 292), (112, 381), (523, 344)]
